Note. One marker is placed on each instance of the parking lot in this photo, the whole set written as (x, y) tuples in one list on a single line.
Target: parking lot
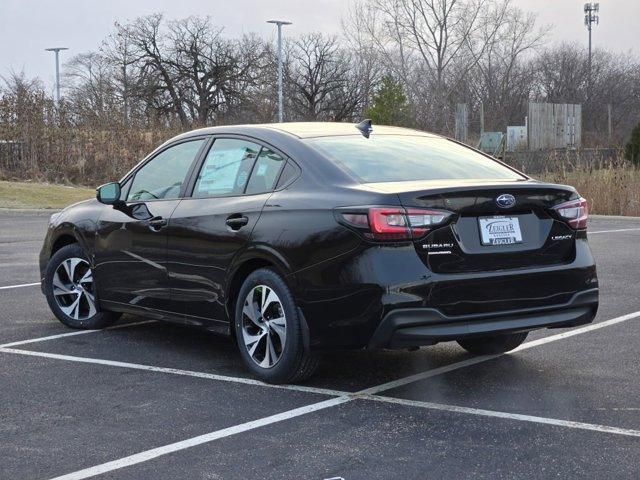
[(145, 400)]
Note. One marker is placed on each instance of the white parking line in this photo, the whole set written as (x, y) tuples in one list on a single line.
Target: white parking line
[(506, 415), (475, 360), (428, 374), (7, 287), (252, 425), (173, 371), (206, 438), (51, 337), (71, 334), (365, 394), (613, 231), (576, 331)]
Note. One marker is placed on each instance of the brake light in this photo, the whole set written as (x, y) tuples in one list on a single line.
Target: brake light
[(395, 223), (574, 212)]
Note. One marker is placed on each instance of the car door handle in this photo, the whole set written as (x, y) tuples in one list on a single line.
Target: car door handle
[(237, 222), (156, 223)]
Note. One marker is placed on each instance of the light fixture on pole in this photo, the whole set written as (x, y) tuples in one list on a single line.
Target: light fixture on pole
[(57, 51), (590, 17), (279, 23)]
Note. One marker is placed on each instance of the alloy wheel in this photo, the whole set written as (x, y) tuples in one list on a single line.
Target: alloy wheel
[(264, 326), (73, 289)]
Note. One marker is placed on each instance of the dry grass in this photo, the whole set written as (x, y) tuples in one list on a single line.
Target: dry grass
[(40, 195), (611, 189)]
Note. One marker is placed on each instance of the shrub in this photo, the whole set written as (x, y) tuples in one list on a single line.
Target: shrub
[(389, 104), (632, 152)]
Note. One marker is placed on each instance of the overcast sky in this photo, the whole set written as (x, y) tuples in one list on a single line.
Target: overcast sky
[(29, 26)]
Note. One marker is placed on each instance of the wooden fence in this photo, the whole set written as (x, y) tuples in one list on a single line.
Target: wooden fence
[(554, 125)]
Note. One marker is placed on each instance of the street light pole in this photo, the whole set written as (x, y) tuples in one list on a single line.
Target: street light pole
[(279, 23), (57, 51)]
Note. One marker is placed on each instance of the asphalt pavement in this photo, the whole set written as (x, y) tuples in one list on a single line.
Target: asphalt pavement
[(146, 400)]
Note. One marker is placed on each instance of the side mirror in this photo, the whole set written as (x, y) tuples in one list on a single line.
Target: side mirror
[(109, 193)]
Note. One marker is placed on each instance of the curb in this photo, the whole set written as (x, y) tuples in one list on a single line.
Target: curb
[(29, 210), (614, 217)]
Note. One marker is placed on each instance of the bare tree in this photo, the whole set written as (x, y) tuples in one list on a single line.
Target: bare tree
[(321, 81), (503, 77), (125, 81), (432, 45), (562, 73), (149, 49), (89, 92), (22, 99), (191, 71), (369, 61)]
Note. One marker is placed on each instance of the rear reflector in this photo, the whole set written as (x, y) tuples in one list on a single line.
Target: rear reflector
[(574, 212), (395, 223)]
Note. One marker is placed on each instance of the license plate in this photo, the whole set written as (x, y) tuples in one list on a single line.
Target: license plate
[(499, 230)]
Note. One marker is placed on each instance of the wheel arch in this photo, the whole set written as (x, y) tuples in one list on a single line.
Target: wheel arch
[(246, 263), (67, 234), (62, 240)]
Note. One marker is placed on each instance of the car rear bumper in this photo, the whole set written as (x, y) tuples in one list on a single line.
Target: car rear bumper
[(411, 327), (360, 300)]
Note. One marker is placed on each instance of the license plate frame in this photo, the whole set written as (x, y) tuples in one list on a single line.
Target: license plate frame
[(499, 230)]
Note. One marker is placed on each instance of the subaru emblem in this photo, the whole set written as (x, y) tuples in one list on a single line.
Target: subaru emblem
[(505, 200)]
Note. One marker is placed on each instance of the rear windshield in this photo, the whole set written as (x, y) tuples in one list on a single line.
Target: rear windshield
[(397, 158)]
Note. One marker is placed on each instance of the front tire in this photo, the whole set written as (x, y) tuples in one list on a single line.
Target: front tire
[(268, 330), (70, 292), (493, 344)]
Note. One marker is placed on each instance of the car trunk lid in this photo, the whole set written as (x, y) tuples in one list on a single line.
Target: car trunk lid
[(526, 233)]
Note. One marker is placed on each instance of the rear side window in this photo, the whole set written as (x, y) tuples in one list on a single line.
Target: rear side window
[(226, 168), (288, 175), (265, 173), (397, 158)]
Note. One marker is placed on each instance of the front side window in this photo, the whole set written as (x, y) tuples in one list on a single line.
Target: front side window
[(226, 169), (124, 189), (163, 176), (265, 174), (398, 158)]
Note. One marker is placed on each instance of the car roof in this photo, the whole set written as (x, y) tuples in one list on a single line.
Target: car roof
[(306, 129), (289, 139)]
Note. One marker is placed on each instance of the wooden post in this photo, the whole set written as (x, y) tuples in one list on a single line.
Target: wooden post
[(481, 118), (462, 122)]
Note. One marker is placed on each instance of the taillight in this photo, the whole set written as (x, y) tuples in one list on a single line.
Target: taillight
[(574, 212), (394, 223), (421, 221)]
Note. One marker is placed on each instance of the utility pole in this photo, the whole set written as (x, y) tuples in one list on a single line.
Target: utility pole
[(57, 51), (279, 23), (590, 17)]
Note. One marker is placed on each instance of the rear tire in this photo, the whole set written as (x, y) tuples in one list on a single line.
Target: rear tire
[(268, 330), (494, 344), (70, 292)]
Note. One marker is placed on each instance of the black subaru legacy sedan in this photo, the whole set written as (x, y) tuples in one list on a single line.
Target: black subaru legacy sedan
[(296, 238)]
